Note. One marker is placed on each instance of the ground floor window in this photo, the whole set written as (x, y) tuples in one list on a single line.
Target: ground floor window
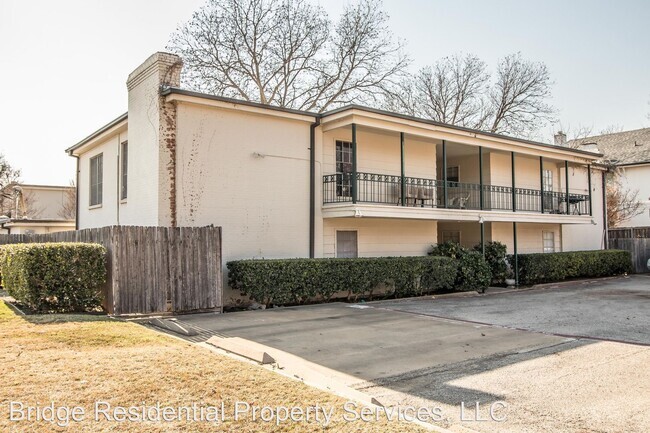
[(549, 242), (451, 236), (346, 244)]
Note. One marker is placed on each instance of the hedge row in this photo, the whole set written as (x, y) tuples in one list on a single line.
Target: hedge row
[(553, 267), (54, 277), (295, 281)]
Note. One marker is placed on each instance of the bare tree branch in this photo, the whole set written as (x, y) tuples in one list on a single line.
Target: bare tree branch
[(458, 90), (68, 209), (518, 97), (8, 178), (282, 52), (623, 203)]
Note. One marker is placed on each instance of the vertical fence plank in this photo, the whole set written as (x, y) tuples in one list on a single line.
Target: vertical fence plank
[(152, 269)]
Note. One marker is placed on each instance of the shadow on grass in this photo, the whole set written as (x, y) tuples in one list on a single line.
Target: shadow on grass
[(20, 311)]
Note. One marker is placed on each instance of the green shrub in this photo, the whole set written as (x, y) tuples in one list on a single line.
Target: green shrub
[(296, 281), (56, 277), (553, 267), (448, 249), (473, 271), (495, 256)]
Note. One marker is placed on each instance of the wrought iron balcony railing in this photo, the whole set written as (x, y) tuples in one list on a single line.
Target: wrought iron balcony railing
[(413, 191)]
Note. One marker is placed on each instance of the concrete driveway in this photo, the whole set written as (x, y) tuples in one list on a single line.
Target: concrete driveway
[(546, 354)]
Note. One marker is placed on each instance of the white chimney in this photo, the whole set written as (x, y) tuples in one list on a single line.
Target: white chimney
[(560, 139), (152, 136)]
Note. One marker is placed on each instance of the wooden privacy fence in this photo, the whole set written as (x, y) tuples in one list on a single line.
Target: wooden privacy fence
[(634, 240), (152, 269)]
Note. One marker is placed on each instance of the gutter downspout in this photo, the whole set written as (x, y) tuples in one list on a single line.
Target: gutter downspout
[(76, 196), (312, 186), (605, 228)]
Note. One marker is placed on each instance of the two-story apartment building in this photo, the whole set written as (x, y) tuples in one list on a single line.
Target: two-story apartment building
[(353, 181), (628, 152), (36, 209)]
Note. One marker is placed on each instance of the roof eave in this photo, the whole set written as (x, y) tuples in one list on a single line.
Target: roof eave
[(477, 132), (116, 123)]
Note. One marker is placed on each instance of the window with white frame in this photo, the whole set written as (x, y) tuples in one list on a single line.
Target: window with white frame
[(451, 236), (346, 244), (547, 176), (343, 168), (453, 174), (548, 239), (96, 179)]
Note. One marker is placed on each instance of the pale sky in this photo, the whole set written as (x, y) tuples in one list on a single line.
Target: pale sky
[(63, 64)]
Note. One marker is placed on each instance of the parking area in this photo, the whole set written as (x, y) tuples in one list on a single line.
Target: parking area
[(571, 358), (609, 309)]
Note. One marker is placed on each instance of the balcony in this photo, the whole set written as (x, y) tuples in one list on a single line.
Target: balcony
[(394, 190)]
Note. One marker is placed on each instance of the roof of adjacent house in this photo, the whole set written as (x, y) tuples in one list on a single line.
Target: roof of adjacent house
[(174, 90), (621, 148)]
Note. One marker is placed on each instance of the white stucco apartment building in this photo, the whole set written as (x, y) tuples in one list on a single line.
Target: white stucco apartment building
[(350, 182), (629, 153), (36, 209)]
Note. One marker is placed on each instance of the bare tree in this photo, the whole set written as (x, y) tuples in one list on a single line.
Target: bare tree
[(612, 129), (452, 91), (282, 52), (575, 135), (458, 90), (68, 209), (8, 178), (518, 97), (623, 203)]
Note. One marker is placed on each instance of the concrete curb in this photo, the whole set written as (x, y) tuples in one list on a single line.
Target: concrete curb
[(171, 325), (298, 368), (248, 349)]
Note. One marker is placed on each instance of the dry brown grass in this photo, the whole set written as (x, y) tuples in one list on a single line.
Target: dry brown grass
[(77, 360)]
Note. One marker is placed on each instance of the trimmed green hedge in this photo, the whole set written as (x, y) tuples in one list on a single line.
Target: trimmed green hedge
[(296, 281), (474, 272), (553, 267), (54, 277)]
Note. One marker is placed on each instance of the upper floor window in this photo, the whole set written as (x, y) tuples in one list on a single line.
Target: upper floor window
[(96, 179), (453, 174), (343, 168), (124, 163), (547, 176)]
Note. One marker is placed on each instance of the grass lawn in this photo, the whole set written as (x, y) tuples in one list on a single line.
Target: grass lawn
[(76, 360)]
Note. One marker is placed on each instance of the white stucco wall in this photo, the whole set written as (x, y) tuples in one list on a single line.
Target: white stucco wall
[(45, 202), (248, 173), (638, 178), (35, 228), (470, 232), (379, 153), (527, 173), (529, 236), (377, 237), (583, 237), (106, 213)]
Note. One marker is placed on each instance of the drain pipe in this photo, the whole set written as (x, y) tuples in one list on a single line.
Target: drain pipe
[(312, 186), (76, 201), (605, 228)]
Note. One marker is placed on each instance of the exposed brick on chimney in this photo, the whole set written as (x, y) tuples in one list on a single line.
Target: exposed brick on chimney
[(153, 127)]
